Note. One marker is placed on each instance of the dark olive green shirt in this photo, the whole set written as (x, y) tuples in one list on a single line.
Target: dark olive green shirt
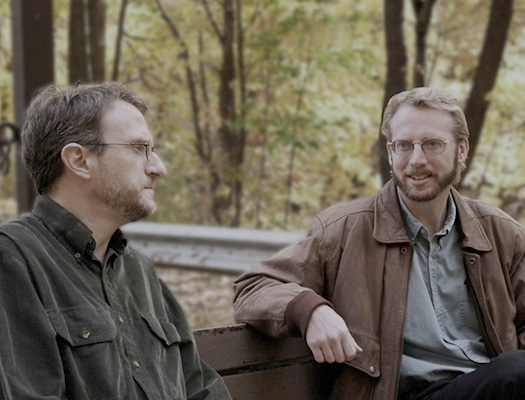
[(74, 328)]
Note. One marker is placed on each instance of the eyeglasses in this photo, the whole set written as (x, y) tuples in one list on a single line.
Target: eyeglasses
[(431, 146), (148, 146)]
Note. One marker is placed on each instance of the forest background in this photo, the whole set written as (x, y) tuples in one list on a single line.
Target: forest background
[(267, 111)]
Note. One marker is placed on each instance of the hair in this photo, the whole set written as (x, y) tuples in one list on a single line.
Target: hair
[(430, 98), (59, 115)]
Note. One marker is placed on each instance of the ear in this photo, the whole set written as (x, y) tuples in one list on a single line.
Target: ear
[(463, 148), (389, 153), (76, 160)]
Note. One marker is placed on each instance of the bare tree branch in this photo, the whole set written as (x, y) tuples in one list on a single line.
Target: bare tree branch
[(174, 30), (192, 87), (298, 108), (256, 14), (242, 83), (218, 32), (207, 148)]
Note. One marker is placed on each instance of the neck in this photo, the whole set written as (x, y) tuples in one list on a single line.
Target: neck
[(431, 214), (96, 217)]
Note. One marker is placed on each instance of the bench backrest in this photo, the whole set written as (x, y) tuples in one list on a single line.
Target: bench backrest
[(255, 367)]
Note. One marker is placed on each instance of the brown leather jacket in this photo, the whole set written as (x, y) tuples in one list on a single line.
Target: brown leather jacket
[(357, 256)]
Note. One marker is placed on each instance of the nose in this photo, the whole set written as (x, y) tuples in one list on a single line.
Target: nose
[(155, 166), (418, 156)]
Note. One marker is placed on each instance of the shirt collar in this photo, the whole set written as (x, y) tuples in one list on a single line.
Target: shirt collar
[(414, 226), (70, 230)]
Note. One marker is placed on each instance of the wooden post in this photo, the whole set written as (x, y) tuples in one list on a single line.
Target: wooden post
[(32, 22)]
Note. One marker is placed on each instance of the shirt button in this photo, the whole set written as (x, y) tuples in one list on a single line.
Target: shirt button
[(472, 260), (136, 364), (121, 320), (77, 255), (372, 369), (86, 334), (404, 250)]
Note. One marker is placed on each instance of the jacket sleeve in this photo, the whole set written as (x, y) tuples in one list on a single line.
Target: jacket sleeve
[(202, 381), (277, 296), (30, 363)]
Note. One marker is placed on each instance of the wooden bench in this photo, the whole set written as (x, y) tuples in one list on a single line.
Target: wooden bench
[(255, 367)]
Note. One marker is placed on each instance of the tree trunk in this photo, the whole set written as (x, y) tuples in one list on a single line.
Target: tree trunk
[(228, 137), (487, 70), (120, 35), (423, 11), (87, 26), (396, 80)]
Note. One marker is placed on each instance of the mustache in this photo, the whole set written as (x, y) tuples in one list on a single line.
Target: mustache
[(419, 171)]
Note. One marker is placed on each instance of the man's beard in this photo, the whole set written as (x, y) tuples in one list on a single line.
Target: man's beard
[(127, 201), (416, 194)]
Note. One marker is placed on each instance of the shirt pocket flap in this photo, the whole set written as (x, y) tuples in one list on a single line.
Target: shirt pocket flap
[(368, 360), (163, 329), (82, 326)]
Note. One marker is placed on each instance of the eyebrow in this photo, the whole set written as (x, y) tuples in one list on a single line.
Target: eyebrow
[(140, 140)]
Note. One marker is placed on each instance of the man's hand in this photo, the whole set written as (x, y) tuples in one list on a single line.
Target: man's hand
[(328, 337)]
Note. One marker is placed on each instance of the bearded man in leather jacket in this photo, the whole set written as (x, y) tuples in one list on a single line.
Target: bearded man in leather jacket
[(416, 292)]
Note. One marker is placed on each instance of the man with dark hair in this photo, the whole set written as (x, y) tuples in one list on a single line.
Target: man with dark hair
[(416, 292), (82, 315)]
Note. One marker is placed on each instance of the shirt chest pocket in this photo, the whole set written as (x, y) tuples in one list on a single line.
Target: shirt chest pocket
[(83, 326), (162, 329), (87, 341), (166, 342)]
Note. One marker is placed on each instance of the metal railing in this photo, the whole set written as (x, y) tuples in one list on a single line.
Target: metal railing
[(217, 249)]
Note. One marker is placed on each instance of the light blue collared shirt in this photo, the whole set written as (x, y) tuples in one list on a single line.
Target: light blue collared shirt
[(442, 335)]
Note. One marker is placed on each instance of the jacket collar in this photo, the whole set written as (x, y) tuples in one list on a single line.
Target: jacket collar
[(389, 227), (474, 236)]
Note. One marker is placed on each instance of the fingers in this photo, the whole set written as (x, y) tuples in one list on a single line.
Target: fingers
[(318, 354), (351, 348), (329, 338)]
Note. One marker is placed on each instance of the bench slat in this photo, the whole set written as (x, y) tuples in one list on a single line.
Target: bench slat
[(294, 382), (255, 367), (239, 348)]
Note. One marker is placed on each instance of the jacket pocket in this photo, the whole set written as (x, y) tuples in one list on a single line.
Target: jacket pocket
[(163, 329), (83, 326), (368, 360)]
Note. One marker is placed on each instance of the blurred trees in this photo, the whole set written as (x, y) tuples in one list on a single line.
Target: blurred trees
[(220, 146), (266, 111)]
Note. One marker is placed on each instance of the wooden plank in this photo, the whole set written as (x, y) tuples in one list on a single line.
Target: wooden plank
[(236, 348), (294, 382)]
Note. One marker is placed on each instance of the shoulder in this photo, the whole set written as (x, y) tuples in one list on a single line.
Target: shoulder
[(15, 232), (489, 214), (486, 226), (342, 212)]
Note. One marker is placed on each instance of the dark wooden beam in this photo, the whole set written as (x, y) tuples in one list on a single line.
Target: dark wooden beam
[(32, 22)]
